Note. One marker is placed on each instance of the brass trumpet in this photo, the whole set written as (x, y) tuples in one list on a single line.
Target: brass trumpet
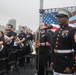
[(21, 45)]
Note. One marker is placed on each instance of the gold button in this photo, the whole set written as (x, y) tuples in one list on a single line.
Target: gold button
[(57, 38), (65, 56), (72, 67), (63, 26), (56, 46), (74, 64), (57, 35), (56, 42), (61, 29)]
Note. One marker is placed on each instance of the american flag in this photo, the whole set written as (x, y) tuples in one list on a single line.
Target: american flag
[(50, 18)]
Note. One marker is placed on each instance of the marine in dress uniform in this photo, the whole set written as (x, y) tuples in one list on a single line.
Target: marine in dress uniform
[(44, 48), (64, 49)]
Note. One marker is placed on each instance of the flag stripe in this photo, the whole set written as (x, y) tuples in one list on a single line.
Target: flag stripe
[(74, 13), (72, 22), (72, 18)]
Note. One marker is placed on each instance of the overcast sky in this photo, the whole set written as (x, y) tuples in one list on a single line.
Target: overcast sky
[(26, 12)]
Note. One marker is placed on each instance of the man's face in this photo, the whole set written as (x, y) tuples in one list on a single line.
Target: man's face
[(13, 29), (62, 20), (27, 30), (42, 26), (21, 29), (9, 28)]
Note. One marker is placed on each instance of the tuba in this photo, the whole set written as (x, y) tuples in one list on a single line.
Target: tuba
[(6, 37)]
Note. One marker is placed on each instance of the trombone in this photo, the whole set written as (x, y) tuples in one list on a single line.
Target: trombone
[(37, 40)]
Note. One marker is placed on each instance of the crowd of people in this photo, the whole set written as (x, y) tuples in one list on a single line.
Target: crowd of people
[(10, 41), (58, 48)]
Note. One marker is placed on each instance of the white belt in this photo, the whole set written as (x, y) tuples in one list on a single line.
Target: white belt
[(63, 51)]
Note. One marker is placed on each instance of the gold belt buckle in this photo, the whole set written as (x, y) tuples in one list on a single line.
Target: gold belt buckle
[(56, 51)]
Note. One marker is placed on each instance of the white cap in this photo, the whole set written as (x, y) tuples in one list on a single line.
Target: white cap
[(64, 13)]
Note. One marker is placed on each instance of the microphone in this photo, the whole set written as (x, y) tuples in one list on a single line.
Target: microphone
[(49, 27)]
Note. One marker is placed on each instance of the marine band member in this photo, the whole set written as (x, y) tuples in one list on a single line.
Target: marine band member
[(22, 37), (29, 38), (44, 48), (11, 35)]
